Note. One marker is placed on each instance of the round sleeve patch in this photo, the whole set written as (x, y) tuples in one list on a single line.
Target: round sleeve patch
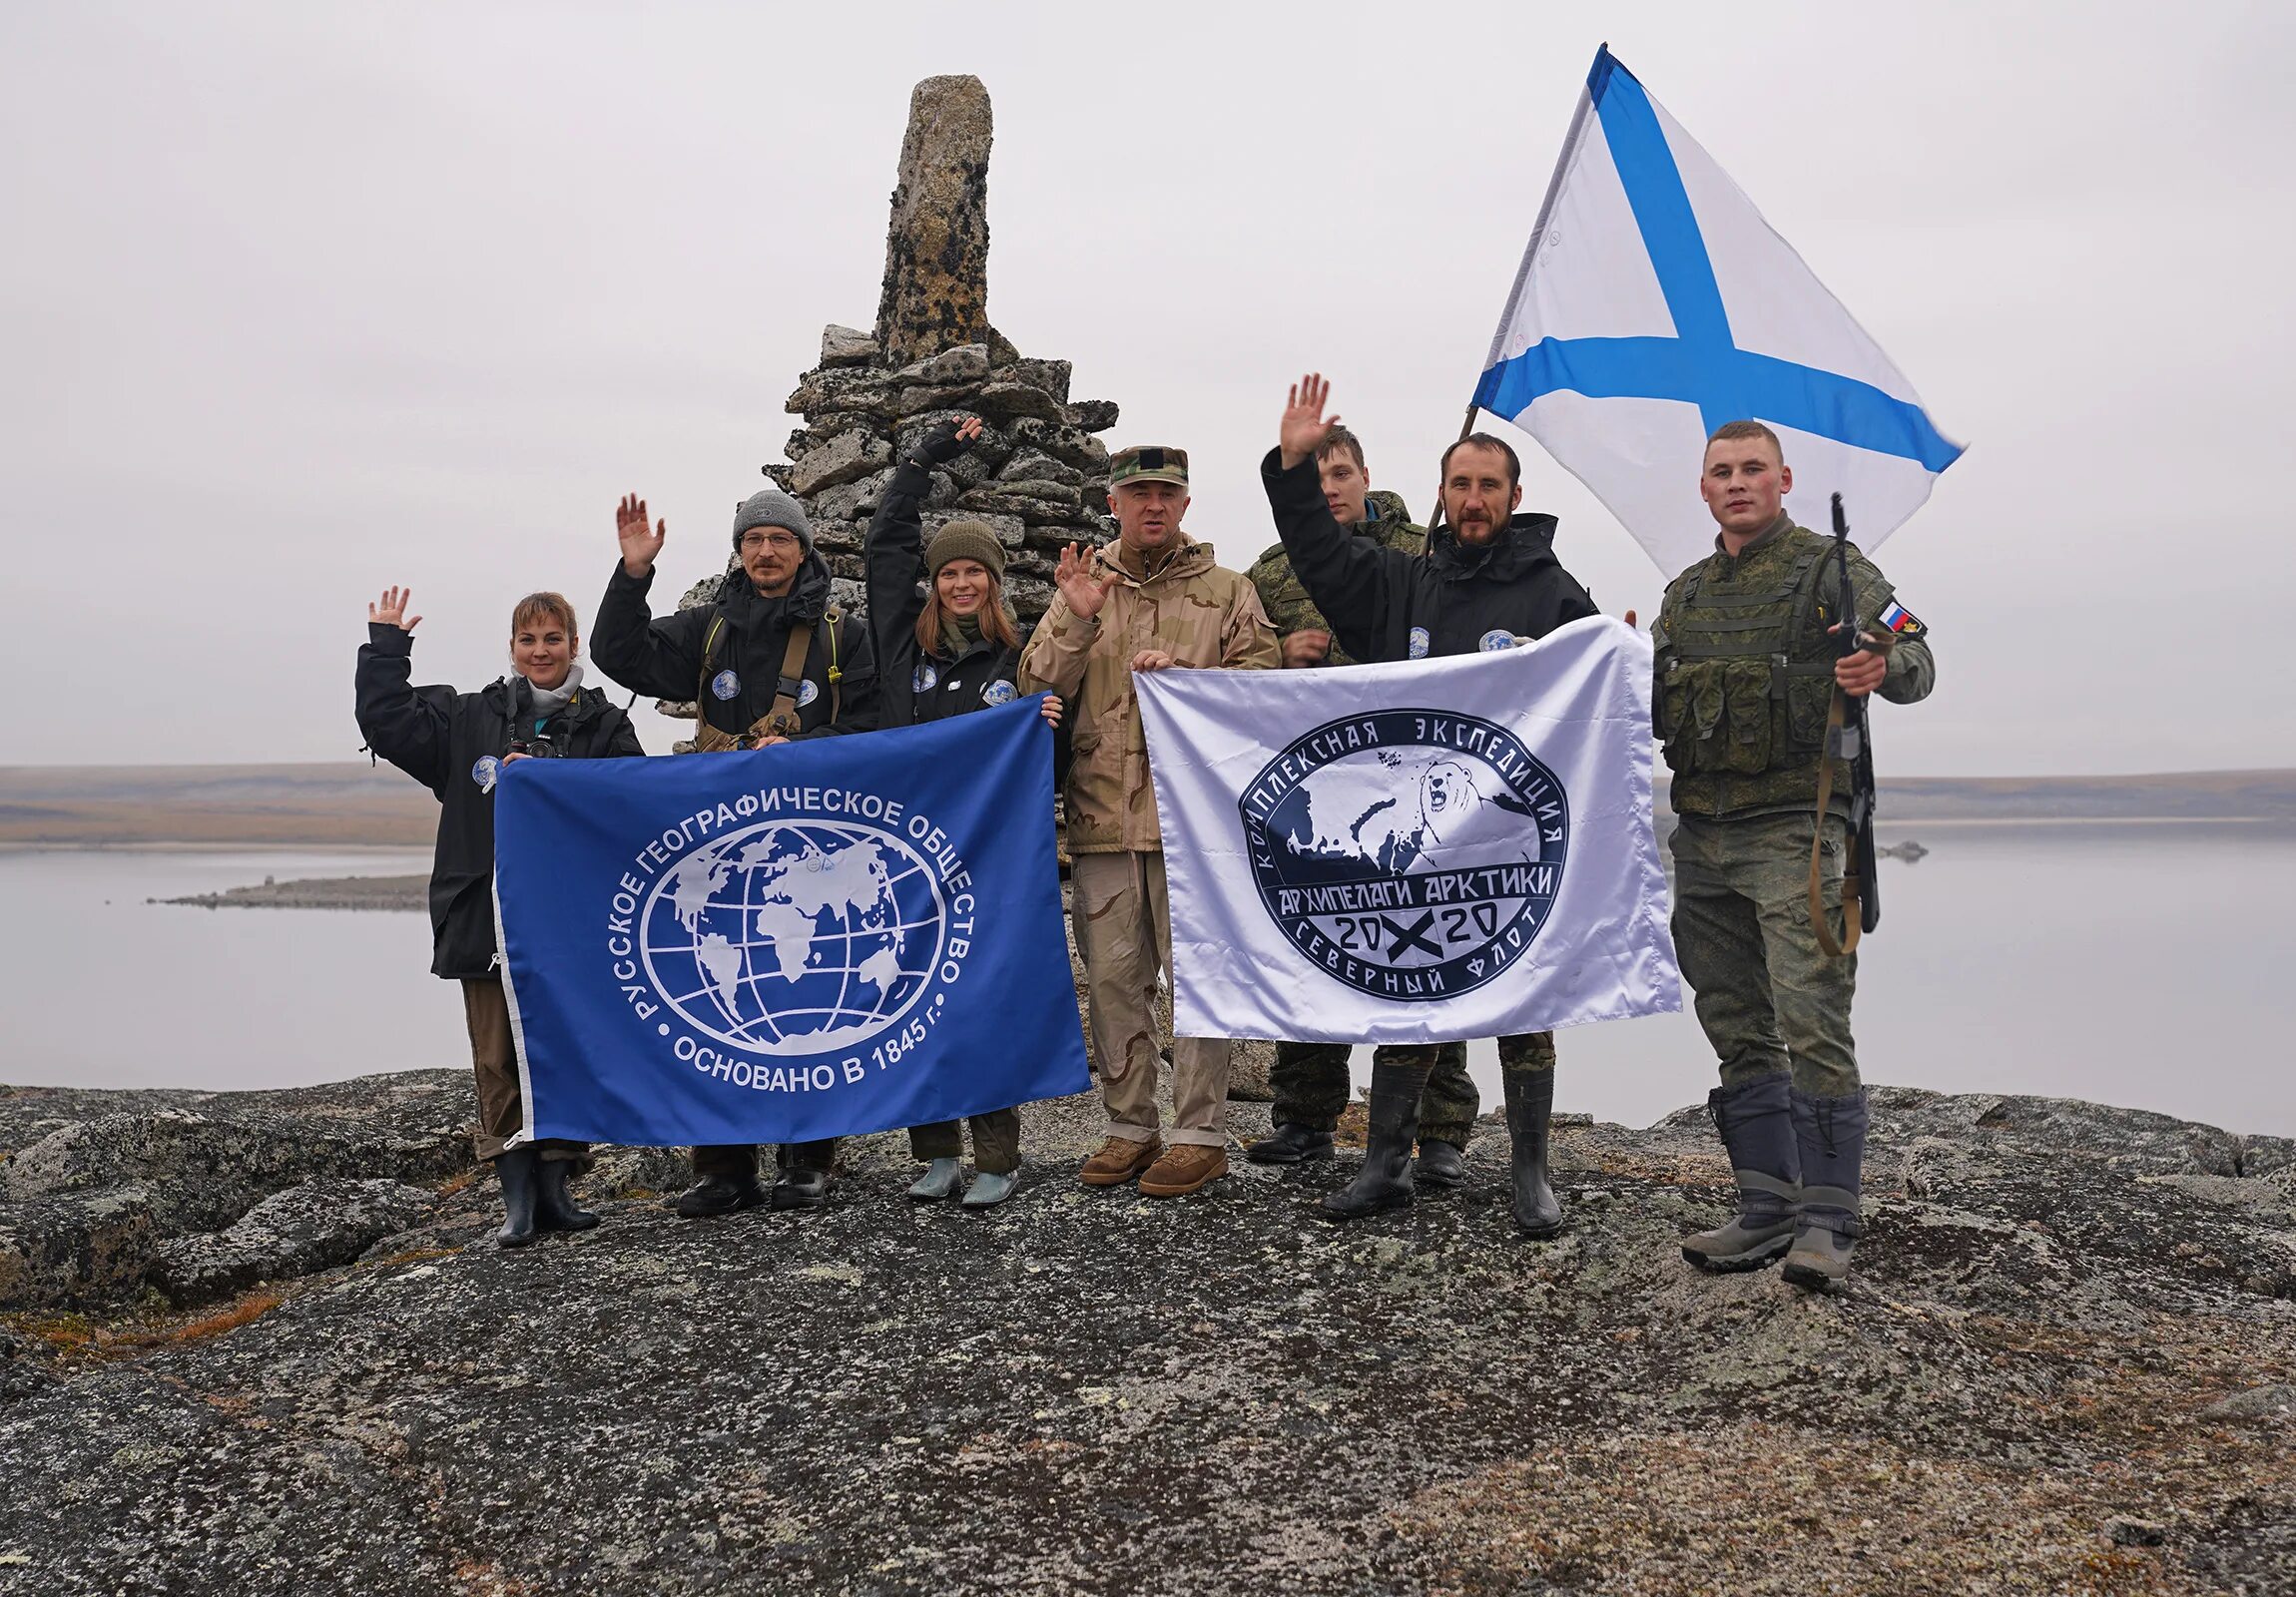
[(725, 685), (923, 679), (1419, 643), (486, 773), (1496, 638), (1000, 693), (808, 690)]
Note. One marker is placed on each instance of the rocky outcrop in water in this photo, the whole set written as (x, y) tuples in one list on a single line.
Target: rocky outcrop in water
[(2067, 1365)]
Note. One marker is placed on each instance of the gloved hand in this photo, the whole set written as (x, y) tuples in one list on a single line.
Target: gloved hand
[(948, 443)]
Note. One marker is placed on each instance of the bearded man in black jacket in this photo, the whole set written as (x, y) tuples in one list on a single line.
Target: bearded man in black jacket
[(456, 745), (771, 662), (1488, 579)]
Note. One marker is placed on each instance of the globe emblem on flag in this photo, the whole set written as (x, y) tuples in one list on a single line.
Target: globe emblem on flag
[(1413, 854), (794, 936)]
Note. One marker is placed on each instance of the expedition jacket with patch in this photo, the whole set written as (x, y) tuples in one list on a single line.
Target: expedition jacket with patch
[(453, 744), (1383, 604), (918, 685), (1201, 614), (1387, 522), (1742, 674), (664, 658)]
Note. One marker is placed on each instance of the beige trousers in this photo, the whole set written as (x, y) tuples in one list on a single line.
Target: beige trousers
[(1124, 934), (494, 1065)]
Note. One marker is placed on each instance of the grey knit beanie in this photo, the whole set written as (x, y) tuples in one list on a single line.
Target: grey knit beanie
[(966, 540), (769, 507)]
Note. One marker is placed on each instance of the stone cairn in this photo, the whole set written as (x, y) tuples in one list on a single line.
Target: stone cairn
[(1037, 475)]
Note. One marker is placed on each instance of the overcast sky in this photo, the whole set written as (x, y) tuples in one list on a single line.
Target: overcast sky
[(301, 300)]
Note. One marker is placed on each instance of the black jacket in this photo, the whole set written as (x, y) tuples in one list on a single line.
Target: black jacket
[(453, 742), (1375, 598), (663, 658), (920, 685)]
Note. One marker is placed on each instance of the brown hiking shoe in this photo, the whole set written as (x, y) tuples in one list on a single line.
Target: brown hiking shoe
[(1184, 1169), (1118, 1161)]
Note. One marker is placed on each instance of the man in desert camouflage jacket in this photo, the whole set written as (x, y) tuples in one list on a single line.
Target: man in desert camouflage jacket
[(1153, 600)]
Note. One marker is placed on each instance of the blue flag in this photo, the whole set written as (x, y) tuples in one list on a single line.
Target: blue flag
[(825, 937)]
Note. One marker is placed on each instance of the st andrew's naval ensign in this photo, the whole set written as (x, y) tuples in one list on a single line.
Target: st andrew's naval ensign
[(1413, 854), (1418, 851), (833, 935)]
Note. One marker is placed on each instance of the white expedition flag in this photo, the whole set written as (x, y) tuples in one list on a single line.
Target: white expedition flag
[(1424, 851), (1655, 304)]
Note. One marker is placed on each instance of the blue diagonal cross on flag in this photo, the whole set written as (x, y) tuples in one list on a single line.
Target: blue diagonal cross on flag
[(1655, 304)]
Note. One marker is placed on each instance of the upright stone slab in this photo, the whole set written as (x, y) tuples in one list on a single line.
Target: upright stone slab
[(935, 293)]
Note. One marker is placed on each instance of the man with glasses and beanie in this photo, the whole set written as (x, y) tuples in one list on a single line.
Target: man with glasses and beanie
[(771, 661), (1153, 600)]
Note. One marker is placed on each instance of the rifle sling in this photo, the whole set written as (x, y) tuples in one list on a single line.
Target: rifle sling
[(1853, 890)]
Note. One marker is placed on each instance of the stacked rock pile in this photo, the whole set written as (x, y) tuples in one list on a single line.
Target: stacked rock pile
[(1038, 475)]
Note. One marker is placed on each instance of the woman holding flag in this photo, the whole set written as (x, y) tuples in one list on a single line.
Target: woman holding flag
[(456, 745), (946, 645)]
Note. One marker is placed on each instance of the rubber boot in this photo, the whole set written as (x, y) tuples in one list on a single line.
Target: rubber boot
[(1441, 1164), (1530, 1110), (1385, 1182), (990, 1187), (939, 1181), (1757, 1127), (554, 1207), (514, 1168), (1832, 1134), (1292, 1144)]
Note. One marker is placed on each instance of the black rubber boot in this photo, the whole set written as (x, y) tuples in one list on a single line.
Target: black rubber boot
[(1385, 1182), (1757, 1127), (514, 1168), (1832, 1134), (554, 1207), (1441, 1164), (1529, 1110), (1293, 1144)]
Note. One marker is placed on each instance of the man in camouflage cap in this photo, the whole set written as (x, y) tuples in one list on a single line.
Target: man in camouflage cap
[(1745, 670), (1310, 1079), (1153, 600)]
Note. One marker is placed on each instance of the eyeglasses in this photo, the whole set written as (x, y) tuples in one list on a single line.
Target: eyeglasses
[(780, 540)]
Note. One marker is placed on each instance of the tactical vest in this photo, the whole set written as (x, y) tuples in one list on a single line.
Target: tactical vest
[(782, 720), (1744, 674)]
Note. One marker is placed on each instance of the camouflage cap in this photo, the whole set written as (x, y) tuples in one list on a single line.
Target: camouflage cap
[(1148, 462)]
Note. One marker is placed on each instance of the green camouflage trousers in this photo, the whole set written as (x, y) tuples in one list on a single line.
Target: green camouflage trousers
[(1769, 997), (1311, 1082)]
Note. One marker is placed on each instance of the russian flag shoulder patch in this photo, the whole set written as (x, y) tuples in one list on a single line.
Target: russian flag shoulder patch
[(1897, 619)]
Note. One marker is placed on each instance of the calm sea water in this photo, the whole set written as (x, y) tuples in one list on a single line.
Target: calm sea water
[(2144, 965)]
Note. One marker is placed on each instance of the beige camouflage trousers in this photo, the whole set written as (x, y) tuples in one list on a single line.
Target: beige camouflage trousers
[(1124, 935)]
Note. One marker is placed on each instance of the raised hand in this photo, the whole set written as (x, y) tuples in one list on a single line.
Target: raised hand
[(1305, 425), (640, 544), (1079, 588), (391, 610), (945, 445)]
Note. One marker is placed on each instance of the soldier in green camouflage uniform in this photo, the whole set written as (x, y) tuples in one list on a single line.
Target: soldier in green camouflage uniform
[(1745, 672), (1310, 1079)]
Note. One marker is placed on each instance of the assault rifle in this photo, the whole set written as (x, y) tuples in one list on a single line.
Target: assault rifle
[(1849, 739)]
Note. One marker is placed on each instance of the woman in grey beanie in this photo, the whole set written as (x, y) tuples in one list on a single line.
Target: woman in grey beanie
[(946, 645)]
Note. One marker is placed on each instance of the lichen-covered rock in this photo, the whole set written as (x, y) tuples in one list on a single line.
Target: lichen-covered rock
[(935, 290), (2028, 1387), (847, 456), (87, 1207), (849, 347), (309, 1227)]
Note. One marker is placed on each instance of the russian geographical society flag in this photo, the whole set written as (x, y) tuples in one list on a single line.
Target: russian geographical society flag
[(1654, 304), (841, 934), (1425, 851)]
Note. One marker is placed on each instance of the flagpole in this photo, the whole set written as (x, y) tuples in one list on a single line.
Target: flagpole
[(1466, 431)]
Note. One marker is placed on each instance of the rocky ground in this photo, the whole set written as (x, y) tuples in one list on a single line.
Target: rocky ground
[(296, 1364)]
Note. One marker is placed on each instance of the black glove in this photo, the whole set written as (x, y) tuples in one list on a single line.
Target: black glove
[(944, 446)]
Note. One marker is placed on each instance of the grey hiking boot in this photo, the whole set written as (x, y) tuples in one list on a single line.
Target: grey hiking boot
[(1757, 1126), (1831, 1136)]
